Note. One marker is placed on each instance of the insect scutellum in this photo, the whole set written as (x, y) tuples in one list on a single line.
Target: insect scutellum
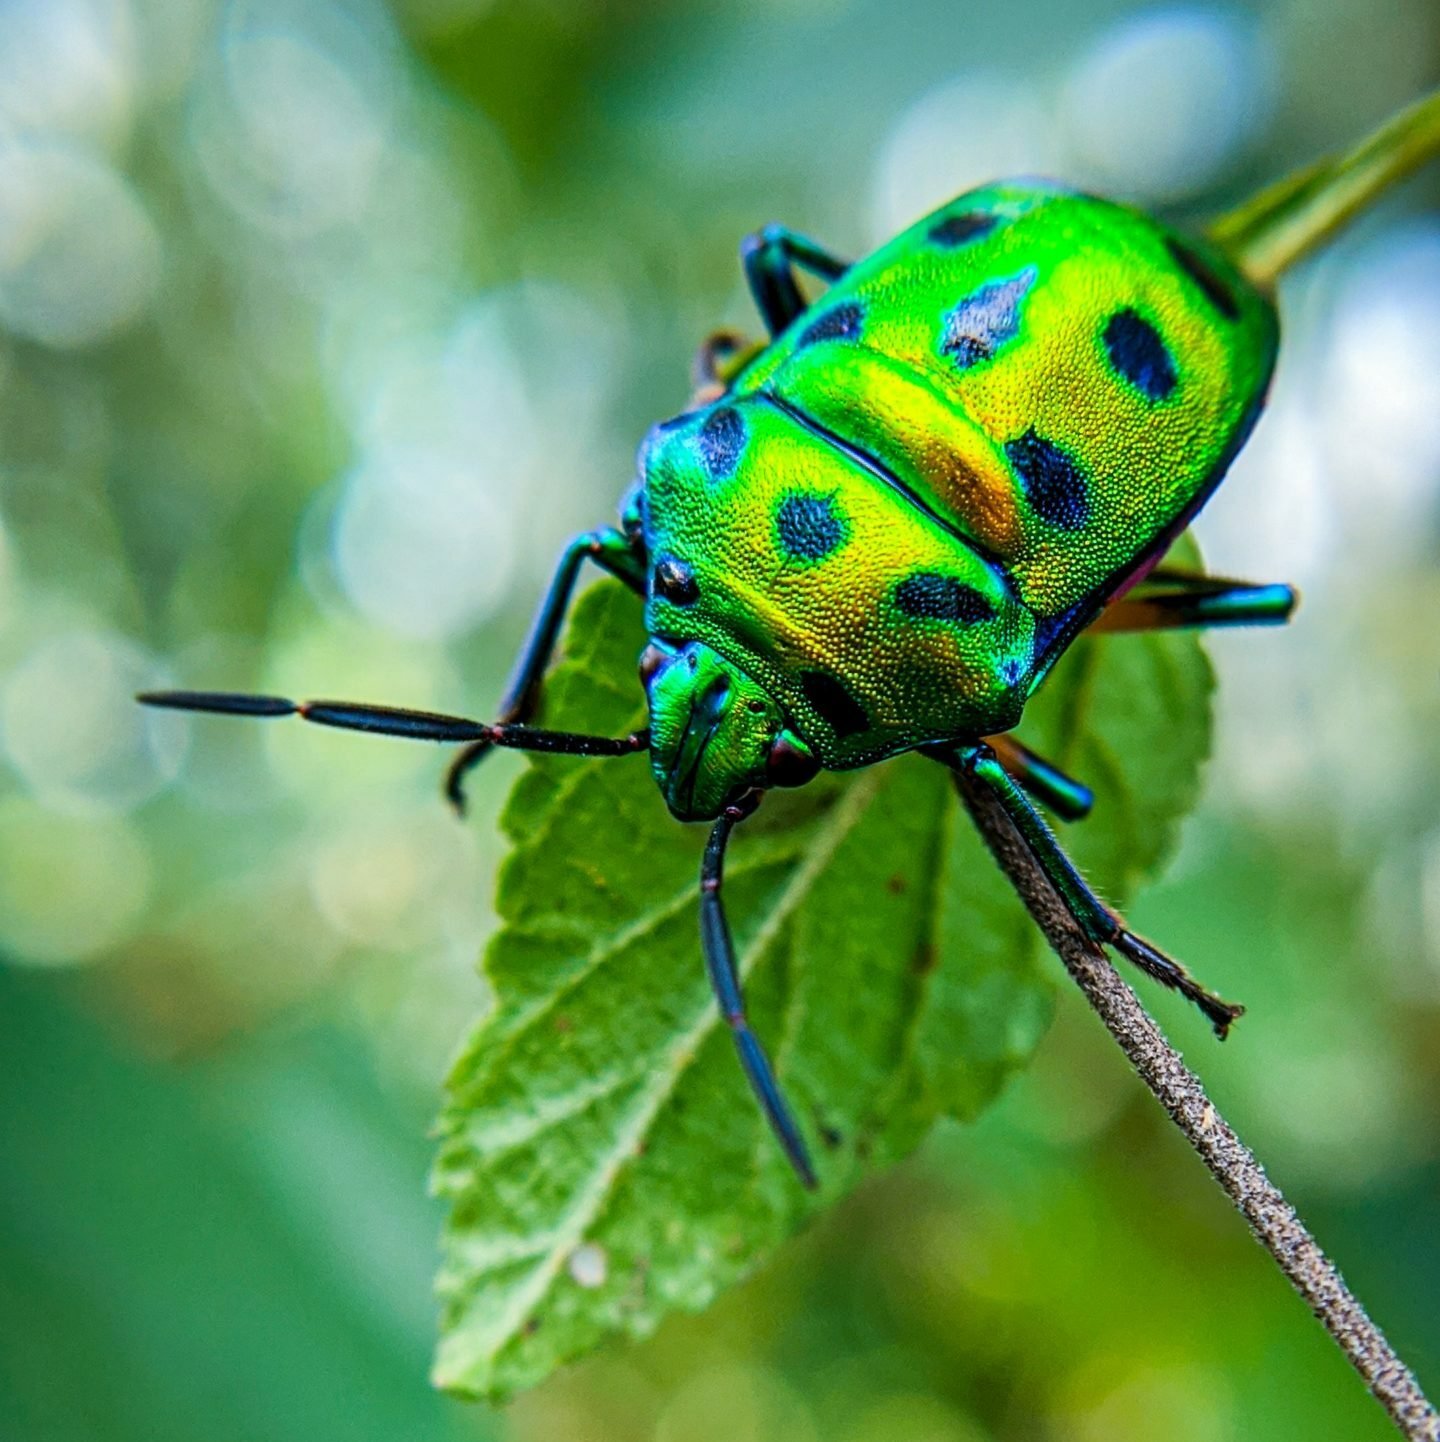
[(877, 530)]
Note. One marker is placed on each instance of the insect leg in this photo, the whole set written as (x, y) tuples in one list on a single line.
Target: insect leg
[(725, 979), (1100, 924), (1069, 799), (770, 257), (1168, 599), (611, 550), (398, 721), (721, 357)]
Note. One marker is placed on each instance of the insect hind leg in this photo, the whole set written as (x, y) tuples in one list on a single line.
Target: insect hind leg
[(1102, 925), (1168, 600), (1069, 799), (722, 355)]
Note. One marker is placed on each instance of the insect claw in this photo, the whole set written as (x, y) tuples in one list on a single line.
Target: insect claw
[(1219, 1013), (455, 795), (460, 767), (1223, 1016)]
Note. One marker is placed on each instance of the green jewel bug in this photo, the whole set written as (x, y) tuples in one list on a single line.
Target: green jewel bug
[(876, 531)]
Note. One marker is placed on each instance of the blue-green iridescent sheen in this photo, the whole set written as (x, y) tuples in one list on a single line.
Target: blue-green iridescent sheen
[(905, 507)]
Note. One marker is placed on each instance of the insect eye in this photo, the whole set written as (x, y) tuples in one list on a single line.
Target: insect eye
[(675, 582), (791, 762), (652, 658)]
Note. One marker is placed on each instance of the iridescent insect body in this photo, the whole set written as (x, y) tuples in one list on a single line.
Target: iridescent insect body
[(876, 532)]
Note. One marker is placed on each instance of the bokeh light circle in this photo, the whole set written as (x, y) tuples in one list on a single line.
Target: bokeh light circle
[(289, 135), (978, 127), (419, 547), (69, 67), (1163, 101), (71, 727), (79, 255)]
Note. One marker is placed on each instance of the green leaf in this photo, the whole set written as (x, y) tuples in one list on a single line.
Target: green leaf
[(603, 1158)]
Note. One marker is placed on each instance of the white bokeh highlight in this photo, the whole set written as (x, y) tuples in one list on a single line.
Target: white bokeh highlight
[(1378, 412), (978, 127), (69, 68), (419, 547), (79, 254), (1164, 101), (289, 138), (70, 726)]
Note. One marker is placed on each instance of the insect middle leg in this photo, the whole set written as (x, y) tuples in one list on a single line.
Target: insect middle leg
[(770, 257), (719, 952), (612, 550), (1102, 925), (1169, 599)]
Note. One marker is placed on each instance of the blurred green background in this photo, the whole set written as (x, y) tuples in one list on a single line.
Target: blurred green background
[(321, 327)]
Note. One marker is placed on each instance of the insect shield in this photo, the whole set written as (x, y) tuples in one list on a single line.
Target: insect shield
[(876, 531)]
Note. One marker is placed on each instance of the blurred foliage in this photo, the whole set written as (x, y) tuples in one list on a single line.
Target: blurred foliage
[(322, 326)]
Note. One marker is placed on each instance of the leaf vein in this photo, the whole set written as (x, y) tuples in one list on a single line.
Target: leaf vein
[(591, 1200)]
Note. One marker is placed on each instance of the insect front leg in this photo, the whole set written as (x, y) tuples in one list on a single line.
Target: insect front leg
[(719, 952), (612, 550), (1166, 600), (770, 257), (1098, 921)]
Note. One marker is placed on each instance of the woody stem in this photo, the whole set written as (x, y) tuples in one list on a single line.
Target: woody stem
[(1271, 1218)]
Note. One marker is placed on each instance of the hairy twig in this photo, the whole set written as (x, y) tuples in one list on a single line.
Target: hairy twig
[(1272, 1219)]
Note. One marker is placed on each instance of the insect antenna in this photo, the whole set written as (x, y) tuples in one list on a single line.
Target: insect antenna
[(399, 721)]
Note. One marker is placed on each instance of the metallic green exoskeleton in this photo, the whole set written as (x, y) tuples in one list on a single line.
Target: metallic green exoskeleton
[(877, 531), (903, 509)]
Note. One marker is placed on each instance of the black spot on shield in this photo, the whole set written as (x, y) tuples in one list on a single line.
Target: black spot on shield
[(840, 322), (958, 230), (809, 526), (1054, 484), (1139, 354), (833, 703), (722, 438), (942, 598)]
